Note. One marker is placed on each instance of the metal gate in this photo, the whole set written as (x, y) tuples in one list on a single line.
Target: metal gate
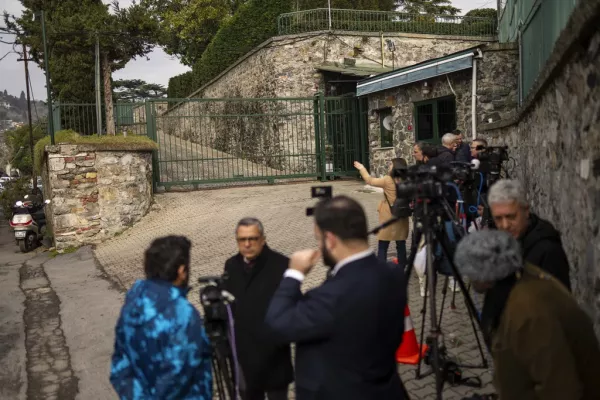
[(208, 141)]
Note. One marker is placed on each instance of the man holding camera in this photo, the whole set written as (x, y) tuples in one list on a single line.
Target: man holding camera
[(347, 330), (477, 146), (253, 276), (543, 344), (161, 348), (540, 241), (463, 152), (446, 153)]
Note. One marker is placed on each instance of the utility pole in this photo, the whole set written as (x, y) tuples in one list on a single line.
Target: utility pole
[(46, 66), (98, 89), (33, 175), (329, 9)]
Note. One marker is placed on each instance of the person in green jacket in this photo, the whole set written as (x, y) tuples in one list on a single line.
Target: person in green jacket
[(543, 344)]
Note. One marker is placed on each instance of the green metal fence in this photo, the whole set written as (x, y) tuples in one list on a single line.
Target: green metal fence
[(384, 21), (129, 118), (204, 141), (543, 26)]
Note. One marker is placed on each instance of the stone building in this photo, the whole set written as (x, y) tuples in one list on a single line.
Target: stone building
[(278, 81), (424, 101), (537, 91), (554, 137)]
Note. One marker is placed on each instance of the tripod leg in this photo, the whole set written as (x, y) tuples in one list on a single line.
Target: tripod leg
[(434, 329), (458, 278), (217, 376), (453, 304), (472, 311), (414, 246), (422, 334), (444, 292)]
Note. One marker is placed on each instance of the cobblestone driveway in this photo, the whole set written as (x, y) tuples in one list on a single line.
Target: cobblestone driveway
[(208, 218)]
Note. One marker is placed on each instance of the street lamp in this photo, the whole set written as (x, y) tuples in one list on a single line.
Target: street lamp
[(40, 15)]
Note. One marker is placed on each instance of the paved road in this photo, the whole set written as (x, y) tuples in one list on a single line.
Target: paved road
[(57, 318), (208, 218)]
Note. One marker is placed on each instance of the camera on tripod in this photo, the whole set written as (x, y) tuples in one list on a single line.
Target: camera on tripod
[(214, 302), (423, 182), (218, 322), (492, 158)]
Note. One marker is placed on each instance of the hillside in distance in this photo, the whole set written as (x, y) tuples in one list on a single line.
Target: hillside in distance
[(15, 108)]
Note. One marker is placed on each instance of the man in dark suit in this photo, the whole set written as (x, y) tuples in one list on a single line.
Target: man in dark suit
[(253, 276), (348, 329)]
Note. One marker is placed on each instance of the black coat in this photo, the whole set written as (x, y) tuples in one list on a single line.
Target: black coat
[(265, 364), (542, 247), (444, 157), (346, 332), (463, 153)]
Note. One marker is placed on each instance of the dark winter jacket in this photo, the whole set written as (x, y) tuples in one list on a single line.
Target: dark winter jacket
[(543, 346), (463, 153), (444, 157), (265, 365), (542, 246), (161, 348)]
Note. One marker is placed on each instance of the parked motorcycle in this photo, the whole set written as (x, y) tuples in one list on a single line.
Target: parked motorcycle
[(29, 223)]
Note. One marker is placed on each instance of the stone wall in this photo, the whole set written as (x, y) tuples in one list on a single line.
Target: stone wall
[(497, 98), (555, 142), (286, 67), (96, 192)]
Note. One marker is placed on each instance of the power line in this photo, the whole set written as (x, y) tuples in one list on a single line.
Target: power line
[(6, 55), (34, 102)]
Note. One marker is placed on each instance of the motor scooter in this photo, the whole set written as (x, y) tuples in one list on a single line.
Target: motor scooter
[(29, 223)]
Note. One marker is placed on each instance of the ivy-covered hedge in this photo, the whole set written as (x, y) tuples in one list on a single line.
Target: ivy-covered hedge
[(252, 24)]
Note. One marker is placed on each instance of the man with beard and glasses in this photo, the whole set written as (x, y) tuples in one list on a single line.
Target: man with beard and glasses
[(348, 329), (161, 348)]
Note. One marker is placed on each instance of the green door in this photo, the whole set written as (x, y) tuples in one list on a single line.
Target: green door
[(344, 135)]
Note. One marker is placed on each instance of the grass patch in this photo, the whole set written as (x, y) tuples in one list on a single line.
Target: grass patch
[(68, 250), (115, 143)]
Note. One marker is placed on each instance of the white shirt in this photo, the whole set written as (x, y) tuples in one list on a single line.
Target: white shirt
[(299, 276)]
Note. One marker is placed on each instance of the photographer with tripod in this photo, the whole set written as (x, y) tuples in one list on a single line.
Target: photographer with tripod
[(348, 329), (543, 344), (161, 347)]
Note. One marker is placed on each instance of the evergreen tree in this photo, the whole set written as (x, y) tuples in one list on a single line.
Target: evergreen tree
[(437, 7)]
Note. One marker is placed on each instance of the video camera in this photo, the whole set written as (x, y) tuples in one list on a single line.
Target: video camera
[(423, 182), (319, 192), (218, 322), (214, 302), (491, 159)]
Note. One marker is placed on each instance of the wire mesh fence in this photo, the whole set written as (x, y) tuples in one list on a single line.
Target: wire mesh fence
[(384, 21)]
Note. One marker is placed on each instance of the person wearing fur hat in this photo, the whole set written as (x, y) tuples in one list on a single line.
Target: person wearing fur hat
[(543, 344)]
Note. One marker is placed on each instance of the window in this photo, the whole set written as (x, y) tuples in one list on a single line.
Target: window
[(434, 118), (386, 129)]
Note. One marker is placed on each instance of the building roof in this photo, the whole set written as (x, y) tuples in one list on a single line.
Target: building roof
[(428, 69), (360, 70)]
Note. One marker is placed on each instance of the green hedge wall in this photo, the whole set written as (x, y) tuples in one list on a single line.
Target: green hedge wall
[(252, 24)]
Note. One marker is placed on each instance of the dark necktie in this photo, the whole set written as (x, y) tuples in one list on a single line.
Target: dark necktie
[(248, 266)]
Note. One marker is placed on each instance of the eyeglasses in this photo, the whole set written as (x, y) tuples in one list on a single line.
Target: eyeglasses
[(251, 239)]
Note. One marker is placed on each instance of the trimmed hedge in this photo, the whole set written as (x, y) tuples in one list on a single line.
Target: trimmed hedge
[(253, 23)]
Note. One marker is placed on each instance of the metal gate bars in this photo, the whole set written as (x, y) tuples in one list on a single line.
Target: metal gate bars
[(208, 141)]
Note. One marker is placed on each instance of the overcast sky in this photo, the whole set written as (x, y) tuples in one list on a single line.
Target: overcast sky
[(158, 69)]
